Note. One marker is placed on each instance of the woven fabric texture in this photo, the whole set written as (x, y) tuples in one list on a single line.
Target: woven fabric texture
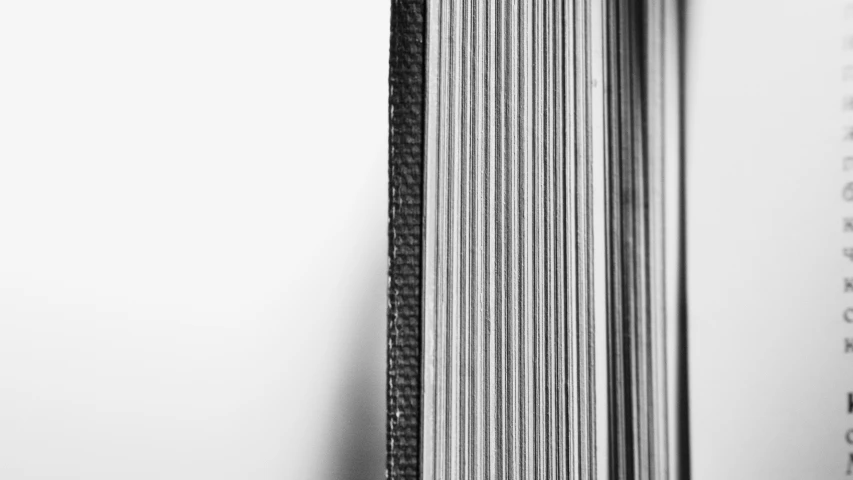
[(406, 145)]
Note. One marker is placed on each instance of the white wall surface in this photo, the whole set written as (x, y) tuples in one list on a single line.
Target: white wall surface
[(192, 239)]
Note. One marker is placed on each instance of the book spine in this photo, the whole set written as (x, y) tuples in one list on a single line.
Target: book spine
[(405, 232)]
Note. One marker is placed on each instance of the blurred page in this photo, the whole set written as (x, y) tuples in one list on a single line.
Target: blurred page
[(769, 374)]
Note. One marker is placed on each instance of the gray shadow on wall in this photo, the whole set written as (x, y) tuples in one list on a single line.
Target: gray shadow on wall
[(358, 434)]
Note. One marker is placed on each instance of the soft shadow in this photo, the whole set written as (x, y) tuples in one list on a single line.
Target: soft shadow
[(358, 436)]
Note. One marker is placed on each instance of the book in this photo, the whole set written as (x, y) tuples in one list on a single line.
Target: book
[(548, 315), (587, 273)]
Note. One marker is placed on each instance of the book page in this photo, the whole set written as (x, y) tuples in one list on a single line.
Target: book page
[(771, 365)]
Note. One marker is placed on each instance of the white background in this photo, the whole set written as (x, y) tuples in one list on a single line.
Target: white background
[(192, 239)]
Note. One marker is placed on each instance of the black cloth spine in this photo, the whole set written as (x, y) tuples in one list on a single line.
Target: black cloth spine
[(406, 160)]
